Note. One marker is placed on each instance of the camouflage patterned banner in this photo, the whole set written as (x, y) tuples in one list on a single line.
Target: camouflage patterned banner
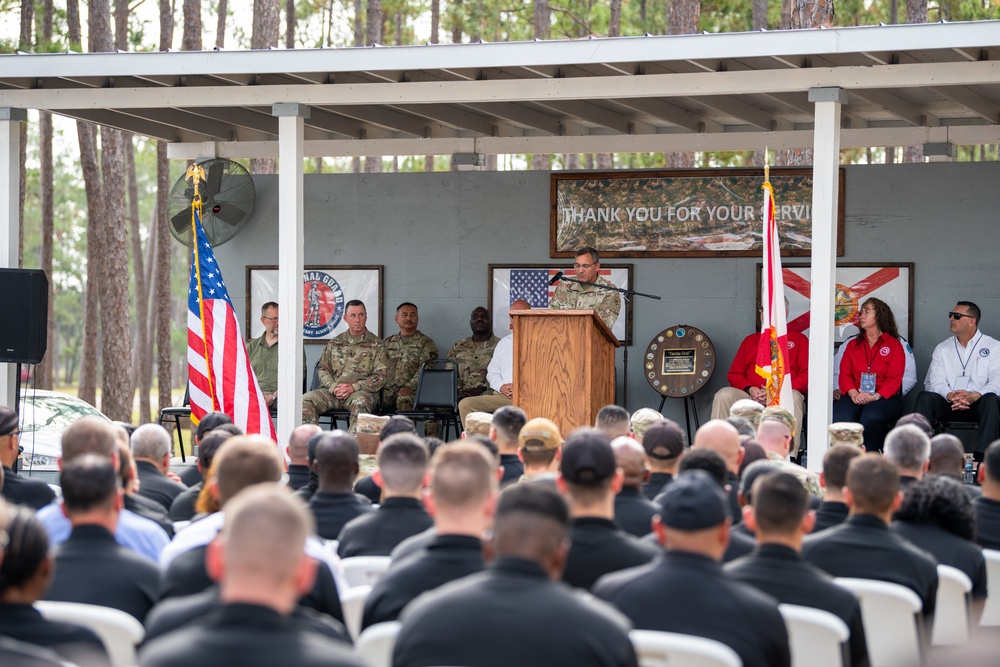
[(682, 213)]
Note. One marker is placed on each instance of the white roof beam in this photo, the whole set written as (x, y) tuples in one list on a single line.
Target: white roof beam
[(899, 107), (598, 115), (386, 117), (972, 101), (671, 113), (448, 115), (133, 124), (521, 115), (737, 108)]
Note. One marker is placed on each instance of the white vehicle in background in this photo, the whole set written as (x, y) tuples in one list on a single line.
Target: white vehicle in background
[(44, 415)]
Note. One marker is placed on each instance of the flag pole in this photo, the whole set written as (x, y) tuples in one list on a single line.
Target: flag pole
[(196, 173)]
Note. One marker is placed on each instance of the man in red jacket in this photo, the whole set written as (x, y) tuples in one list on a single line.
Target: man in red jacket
[(744, 382)]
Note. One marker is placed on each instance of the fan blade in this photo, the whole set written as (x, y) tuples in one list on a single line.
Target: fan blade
[(212, 182), (181, 222), (231, 214)]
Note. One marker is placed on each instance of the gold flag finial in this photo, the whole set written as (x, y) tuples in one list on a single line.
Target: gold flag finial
[(195, 173), (767, 167)]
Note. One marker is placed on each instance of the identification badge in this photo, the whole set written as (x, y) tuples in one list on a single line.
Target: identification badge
[(961, 383), (867, 383)]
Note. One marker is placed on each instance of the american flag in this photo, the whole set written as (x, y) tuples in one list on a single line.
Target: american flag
[(532, 285), (219, 372)]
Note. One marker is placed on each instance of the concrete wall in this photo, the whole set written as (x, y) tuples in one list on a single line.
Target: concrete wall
[(436, 233)]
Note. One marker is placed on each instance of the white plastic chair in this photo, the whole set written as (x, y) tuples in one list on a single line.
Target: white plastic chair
[(991, 610), (891, 616), (816, 638), (180, 525), (352, 603), (375, 644), (365, 570), (953, 609), (671, 649), (119, 631)]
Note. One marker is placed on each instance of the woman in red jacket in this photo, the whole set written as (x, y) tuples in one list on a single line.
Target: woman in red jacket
[(871, 375)]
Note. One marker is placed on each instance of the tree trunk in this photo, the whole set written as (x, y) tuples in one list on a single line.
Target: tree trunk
[(435, 21), (615, 20), (164, 357), (916, 12), (541, 21), (266, 20), (290, 23), (682, 19), (220, 26), (141, 356), (45, 371), (25, 43), (191, 35), (805, 14), (759, 18), (374, 35)]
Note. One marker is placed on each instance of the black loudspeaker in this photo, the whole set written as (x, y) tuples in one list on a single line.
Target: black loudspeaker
[(24, 315)]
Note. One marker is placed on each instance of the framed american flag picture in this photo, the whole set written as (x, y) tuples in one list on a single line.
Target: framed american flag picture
[(510, 282)]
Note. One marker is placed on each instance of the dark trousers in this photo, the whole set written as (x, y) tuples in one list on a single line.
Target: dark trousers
[(985, 411), (877, 418)]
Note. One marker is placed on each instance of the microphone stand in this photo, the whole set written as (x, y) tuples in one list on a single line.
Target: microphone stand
[(626, 295)]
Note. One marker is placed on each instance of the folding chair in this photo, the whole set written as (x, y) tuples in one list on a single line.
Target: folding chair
[(953, 609), (119, 631), (376, 642), (177, 414), (667, 649), (437, 395), (991, 611), (891, 616), (352, 603), (333, 416), (365, 570), (816, 638)]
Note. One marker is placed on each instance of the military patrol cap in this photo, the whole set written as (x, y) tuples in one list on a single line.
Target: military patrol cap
[(664, 440), (371, 424), (539, 435), (779, 414), (587, 458), (846, 433), (642, 419), (693, 501), (748, 409), (478, 423)]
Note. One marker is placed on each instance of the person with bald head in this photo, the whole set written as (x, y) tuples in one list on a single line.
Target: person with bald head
[(298, 455), (515, 612), (722, 437), (948, 458), (634, 512), (263, 568), (336, 464), (95, 435), (499, 374)]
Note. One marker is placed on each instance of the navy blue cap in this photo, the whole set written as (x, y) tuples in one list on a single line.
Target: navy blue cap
[(693, 502)]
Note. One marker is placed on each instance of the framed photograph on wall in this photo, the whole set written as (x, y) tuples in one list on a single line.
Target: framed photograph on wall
[(856, 281), (510, 282), (682, 213), (325, 293)]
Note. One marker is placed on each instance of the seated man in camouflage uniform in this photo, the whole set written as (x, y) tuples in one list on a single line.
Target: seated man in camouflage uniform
[(574, 296), (351, 369), (404, 353), (775, 433), (473, 355)]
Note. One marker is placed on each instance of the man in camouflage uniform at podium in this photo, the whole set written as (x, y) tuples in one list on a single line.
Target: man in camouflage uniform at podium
[(404, 353), (473, 355), (574, 296), (351, 370)]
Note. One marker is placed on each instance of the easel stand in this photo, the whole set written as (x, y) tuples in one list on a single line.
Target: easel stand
[(688, 405)]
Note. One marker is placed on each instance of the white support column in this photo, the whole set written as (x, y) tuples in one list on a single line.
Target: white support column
[(826, 165), (10, 175), (290, 244)]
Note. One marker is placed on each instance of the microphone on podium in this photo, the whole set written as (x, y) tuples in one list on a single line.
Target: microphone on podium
[(556, 278)]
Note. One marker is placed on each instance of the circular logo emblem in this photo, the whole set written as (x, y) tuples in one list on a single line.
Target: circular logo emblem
[(791, 344), (322, 304), (680, 333), (984, 352), (845, 305), (884, 351)]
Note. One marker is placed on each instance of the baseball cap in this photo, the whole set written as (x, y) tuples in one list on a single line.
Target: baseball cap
[(693, 501), (539, 434), (587, 457), (642, 419), (664, 440)]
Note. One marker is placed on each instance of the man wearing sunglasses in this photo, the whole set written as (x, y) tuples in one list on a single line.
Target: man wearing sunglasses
[(964, 377)]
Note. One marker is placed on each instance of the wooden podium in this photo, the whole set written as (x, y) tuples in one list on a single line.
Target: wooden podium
[(564, 365)]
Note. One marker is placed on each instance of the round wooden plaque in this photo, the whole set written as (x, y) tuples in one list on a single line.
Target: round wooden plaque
[(679, 361)]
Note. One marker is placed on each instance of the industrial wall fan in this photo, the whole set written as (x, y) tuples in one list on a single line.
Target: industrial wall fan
[(227, 196)]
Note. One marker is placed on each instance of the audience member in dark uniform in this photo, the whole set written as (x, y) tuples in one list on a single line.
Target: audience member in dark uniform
[(33, 493), (504, 431), (192, 475), (988, 506), (908, 448), (937, 516), (948, 458), (613, 421), (722, 437), (183, 507), (402, 461), (90, 566), (753, 451), (298, 455), (711, 462), (663, 443), (151, 451), (539, 446), (516, 612), (633, 510), (132, 501), (263, 570), (863, 547), (462, 498), (336, 464), (779, 515), (589, 479), (25, 573), (833, 510), (368, 485), (687, 591), (750, 475)]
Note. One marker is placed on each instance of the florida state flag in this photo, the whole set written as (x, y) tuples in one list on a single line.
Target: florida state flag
[(772, 350)]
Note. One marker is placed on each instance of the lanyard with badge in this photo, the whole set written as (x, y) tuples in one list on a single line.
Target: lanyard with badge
[(962, 381), (868, 377)]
